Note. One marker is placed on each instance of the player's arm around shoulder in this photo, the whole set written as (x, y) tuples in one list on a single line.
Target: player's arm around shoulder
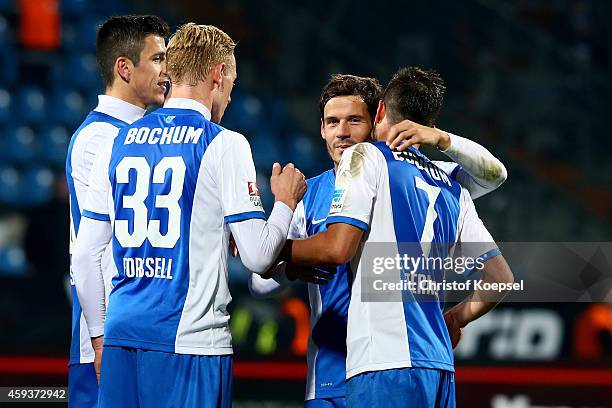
[(478, 169)]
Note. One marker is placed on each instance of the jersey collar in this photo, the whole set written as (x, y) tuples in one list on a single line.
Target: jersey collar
[(185, 103), (119, 109)]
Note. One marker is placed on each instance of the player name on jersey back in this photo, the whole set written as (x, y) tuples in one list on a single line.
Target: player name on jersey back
[(423, 164), (157, 268), (165, 135)]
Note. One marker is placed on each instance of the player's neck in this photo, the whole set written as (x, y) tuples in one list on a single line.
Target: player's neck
[(125, 95), (190, 92)]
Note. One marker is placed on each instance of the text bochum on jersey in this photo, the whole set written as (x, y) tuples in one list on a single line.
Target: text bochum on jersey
[(165, 135)]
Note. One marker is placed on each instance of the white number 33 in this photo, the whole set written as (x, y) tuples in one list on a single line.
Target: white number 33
[(143, 228)]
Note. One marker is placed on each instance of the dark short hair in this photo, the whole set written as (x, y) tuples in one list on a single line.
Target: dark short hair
[(368, 89), (123, 36), (415, 94)]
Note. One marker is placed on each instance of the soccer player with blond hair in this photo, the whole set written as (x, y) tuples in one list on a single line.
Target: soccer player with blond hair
[(169, 191)]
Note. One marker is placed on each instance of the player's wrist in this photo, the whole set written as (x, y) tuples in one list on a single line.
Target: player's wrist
[(288, 201), (97, 343), (444, 142), (455, 316)]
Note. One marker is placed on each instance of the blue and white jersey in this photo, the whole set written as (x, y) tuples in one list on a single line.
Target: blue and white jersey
[(100, 125), (173, 182), (400, 197), (328, 303)]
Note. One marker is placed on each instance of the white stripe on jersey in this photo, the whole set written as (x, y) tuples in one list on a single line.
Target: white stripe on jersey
[(208, 334), (372, 343), (316, 308)]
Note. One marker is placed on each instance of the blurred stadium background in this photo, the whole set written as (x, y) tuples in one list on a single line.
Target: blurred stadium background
[(530, 80)]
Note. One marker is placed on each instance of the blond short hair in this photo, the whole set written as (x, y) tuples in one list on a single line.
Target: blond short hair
[(194, 50)]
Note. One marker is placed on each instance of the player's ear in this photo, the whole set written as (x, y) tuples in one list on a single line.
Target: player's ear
[(217, 74), (124, 67), (380, 112)]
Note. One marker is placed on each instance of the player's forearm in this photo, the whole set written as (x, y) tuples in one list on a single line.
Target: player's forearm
[(324, 249), (495, 270), (259, 242), (275, 281), (312, 251), (486, 170), (91, 242)]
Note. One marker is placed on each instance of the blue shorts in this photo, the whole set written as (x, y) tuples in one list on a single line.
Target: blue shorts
[(337, 402), (404, 387), (82, 386), (141, 378)]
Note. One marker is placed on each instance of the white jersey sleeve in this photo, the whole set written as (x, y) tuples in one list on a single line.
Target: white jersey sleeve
[(356, 186), (92, 242), (260, 287), (86, 148), (82, 159), (98, 201), (450, 168), (463, 177), (473, 236), (474, 167), (259, 241), (237, 179)]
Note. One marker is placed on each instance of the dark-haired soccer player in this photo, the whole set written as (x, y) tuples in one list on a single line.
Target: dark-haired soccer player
[(348, 106), (399, 352), (131, 53)]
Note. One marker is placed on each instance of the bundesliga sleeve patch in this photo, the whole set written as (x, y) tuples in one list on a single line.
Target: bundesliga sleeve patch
[(342, 182), (337, 201), (254, 194), (253, 189)]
